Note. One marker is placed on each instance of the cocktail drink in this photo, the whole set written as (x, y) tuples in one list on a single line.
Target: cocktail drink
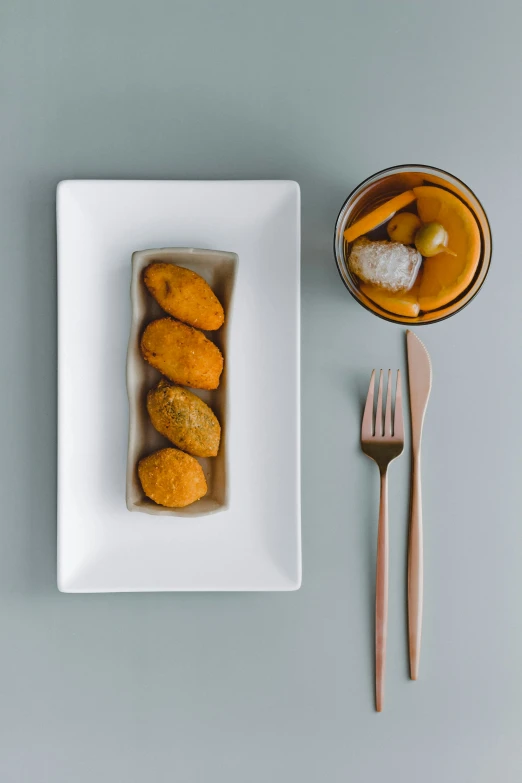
[(413, 244)]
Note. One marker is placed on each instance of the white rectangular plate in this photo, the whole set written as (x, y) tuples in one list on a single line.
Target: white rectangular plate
[(255, 544)]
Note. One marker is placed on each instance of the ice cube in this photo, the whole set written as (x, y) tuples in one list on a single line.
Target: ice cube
[(390, 265)]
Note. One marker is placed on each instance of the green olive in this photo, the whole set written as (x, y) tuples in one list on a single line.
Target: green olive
[(403, 227), (432, 239)]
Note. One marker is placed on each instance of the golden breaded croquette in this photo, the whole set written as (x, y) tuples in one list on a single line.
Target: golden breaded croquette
[(184, 419), (184, 294), (172, 478), (182, 353)]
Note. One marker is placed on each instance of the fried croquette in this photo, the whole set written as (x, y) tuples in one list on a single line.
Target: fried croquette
[(182, 353), (185, 295), (184, 419), (172, 478)]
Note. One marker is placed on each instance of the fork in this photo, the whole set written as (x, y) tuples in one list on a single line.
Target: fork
[(383, 446)]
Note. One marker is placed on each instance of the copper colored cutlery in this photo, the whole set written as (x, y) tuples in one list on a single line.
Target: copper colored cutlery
[(382, 439), (383, 446), (419, 379)]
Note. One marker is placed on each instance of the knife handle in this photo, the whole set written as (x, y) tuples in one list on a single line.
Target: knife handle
[(415, 569)]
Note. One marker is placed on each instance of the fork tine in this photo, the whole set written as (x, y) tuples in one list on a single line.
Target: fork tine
[(388, 415), (367, 422), (378, 412), (398, 424)]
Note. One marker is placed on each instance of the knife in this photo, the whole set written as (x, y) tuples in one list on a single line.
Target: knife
[(419, 379)]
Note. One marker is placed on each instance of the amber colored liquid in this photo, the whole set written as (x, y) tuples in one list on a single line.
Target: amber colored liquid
[(382, 190)]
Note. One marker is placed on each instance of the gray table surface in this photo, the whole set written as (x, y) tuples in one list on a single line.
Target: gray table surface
[(272, 687)]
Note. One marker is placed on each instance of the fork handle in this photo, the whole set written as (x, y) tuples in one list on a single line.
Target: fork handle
[(415, 569), (381, 595)]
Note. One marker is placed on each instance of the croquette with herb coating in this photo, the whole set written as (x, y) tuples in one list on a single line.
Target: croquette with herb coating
[(172, 478), (182, 353), (184, 294), (184, 419)]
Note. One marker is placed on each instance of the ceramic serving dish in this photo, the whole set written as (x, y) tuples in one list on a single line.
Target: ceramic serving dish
[(254, 543), (219, 270)]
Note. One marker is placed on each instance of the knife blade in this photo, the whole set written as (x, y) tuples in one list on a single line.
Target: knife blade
[(419, 381)]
